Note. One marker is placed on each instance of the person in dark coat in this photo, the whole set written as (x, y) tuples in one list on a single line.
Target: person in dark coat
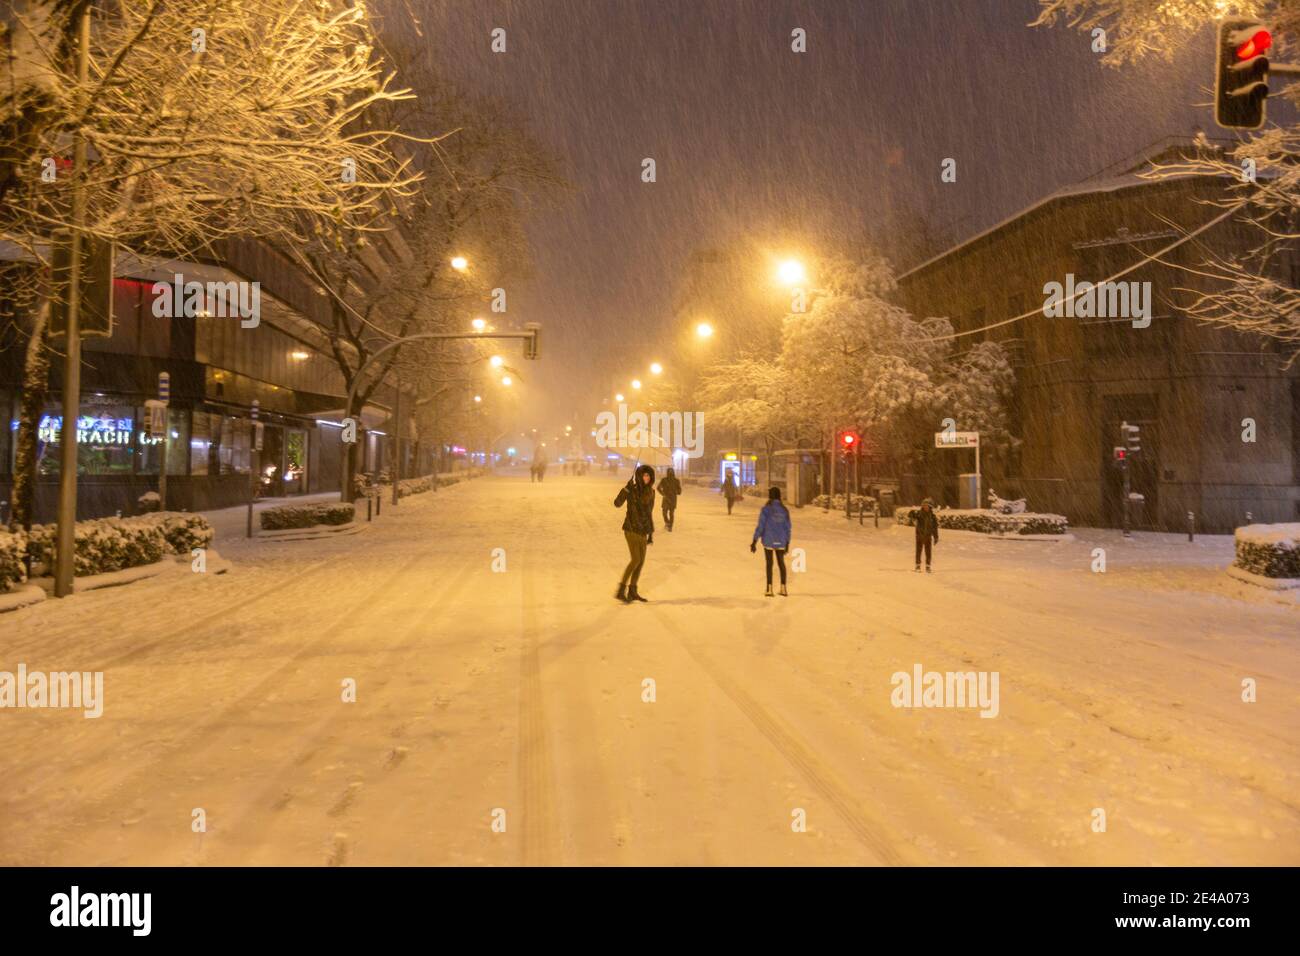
[(773, 530), (669, 489), (730, 490), (927, 531), (638, 528)]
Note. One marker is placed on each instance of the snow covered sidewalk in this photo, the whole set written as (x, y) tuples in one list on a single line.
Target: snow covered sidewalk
[(498, 682)]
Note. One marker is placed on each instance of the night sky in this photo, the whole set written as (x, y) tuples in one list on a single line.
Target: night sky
[(794, 151)]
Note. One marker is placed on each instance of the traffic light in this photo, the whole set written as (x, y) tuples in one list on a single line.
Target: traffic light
[(1241, 78), (849, 440), (1131, 435), (531, 344), (1120, 455)]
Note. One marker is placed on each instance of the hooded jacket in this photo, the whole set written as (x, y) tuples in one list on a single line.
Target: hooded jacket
[(670, 488), (773, 525), (640, 499), (927, 524)]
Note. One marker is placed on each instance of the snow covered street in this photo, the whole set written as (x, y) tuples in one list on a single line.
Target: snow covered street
[(516, 699)]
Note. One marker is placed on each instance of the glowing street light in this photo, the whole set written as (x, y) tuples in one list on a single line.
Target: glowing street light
[(478, 398), (479, 325), (459, 263), (656, 368), (618, 397), (792, 273), (636, 383), (704, 330), (496, 361), (506, 381)]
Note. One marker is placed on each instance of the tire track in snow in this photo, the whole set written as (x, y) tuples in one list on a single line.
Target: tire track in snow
[(870, 833)]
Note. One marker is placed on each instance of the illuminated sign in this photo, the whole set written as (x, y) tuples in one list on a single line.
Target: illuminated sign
[(90, 430), (730, 456)]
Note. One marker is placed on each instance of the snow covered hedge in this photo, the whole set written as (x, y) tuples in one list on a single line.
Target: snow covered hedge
[(1269, 550), (987, 522), (307, 516), (12, 548), (113, 544), (837, 502)]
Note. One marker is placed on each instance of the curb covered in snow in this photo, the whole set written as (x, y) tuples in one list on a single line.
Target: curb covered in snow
[(313, 533), (1259, 580), (37, 589), (982, 536)]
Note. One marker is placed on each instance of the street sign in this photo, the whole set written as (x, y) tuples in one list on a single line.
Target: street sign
[(157, 417), (258, 429), (956, 439)]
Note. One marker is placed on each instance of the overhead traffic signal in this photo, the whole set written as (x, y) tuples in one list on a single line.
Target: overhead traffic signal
[(1241, 77), (849, 440)]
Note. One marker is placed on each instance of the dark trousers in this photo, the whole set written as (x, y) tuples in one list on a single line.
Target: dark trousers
[(669, 512), (780, 560), (730, 501), (636, 548), (926, 543)]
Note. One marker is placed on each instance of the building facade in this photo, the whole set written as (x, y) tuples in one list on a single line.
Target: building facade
[(1195, 391)]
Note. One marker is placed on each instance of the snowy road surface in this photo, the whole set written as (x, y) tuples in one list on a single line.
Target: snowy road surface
[(522, 691)]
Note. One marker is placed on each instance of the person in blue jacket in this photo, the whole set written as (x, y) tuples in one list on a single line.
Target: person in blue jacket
[(774, 531)]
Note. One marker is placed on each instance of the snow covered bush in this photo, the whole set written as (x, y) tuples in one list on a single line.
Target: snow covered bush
[(1269, 550), (13, 547), (837, 502), (984, 521), (307, 516), (100, 546), (149, 501), (182, 531)]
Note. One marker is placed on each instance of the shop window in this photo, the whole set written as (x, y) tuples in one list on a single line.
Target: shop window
[(201, 442), (105, 440)]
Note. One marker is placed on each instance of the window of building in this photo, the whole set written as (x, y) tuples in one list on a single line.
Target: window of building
[(151, 448)]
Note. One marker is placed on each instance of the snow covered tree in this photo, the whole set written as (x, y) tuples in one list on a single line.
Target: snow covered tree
[(1252, 291), (203, 119)]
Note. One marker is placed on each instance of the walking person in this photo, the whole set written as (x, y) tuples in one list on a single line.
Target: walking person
[(638, 528), (730, 490), (927, 531), (773, 530), (669, 489)]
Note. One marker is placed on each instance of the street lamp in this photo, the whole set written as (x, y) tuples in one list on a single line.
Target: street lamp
[(478, 398), (791, 272), (459, 263), (505, 380), (704, 330), (479, 325), (496, 361), (618, 397), (656, 368), (636, 383)]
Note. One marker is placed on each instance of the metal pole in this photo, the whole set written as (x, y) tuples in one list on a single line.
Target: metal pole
[(1127, 533), (66, 533), (252, 467), (397, 441), (1191, 525)]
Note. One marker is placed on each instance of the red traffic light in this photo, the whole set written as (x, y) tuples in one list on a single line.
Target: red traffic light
[(1257, 44), (1120, 454), (849, 438)]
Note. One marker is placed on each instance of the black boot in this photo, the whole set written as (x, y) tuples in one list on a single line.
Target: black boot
[(622, 593), (768, 592), (633, 594)]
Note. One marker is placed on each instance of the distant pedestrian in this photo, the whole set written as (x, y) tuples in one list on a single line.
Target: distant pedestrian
[(669, 489), (532, 472), (927, 531), (638, 528), (730, 490), (773, 530)]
